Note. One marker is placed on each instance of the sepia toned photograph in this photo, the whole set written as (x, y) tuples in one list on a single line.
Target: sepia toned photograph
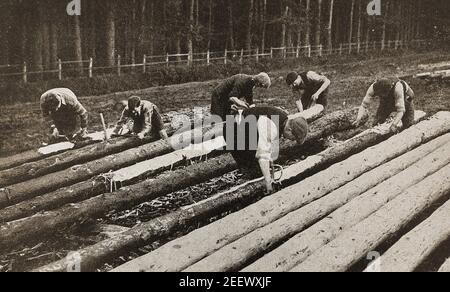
[(225, 136)]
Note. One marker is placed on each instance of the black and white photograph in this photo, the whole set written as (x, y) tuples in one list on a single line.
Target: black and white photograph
[(231, 140)]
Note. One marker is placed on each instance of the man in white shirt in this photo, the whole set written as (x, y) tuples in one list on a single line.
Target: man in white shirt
[(254, 140)]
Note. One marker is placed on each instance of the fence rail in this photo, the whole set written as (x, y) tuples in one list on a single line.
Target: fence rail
[(86, 67)]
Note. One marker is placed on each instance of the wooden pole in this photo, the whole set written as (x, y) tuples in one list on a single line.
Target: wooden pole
[(226, 57), (144, 64), (91, 65), (102, 118), (25, 76), (119, 61), (59, 69)]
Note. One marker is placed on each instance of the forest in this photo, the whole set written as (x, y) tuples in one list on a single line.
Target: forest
[(40, 32)]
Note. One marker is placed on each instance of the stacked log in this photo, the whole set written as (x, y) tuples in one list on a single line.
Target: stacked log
[(92, 257), (241, 251), (109, 182), (445, 268), (40, 224), (183, 252), (355, 243), (414, 248), (362, 197), (20, 192)]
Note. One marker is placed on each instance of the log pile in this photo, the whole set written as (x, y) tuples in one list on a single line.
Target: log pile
[(349, 200), (186, 251)]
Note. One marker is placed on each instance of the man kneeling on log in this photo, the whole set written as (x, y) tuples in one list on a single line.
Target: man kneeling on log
[(312, 88), (62, 105), (253, 139), (146, 119), (227, 97), (395, 96)]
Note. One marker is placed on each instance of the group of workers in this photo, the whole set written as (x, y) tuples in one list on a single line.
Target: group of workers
[(232, 102)]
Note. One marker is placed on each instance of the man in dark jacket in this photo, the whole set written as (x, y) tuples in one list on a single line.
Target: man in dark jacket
[(254, 138), (395, 96), (63, 107), (229, 94), (146, 118), (311, 87)]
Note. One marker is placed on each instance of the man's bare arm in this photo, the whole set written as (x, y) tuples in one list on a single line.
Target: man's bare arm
[(365, 105)]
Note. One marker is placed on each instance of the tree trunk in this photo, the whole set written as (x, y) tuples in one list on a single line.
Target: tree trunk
[(36, 38), (350, 32), (383, 30), (308, 23), (190, 44), (264, 26), (248, 42), (284, 26), (319, 24), (78, 54), (210, 24), (359, 31), (110, 34), (330, 27), (230, 26)]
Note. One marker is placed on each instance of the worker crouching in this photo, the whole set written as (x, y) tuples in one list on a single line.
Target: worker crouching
[(146, 118), (63, 107)]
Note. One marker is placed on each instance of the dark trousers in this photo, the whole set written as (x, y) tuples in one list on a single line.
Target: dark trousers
[(307, 99), (387, 107), (247, 163)]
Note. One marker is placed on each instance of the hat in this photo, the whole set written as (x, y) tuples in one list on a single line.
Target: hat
[(300, 129), (290, 79), (134, 102), (382, 87), (263, 79)]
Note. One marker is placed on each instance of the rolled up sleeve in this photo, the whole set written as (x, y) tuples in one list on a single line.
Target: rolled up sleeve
[(268, 141)]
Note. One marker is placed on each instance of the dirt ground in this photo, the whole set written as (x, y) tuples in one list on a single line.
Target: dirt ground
[(22, 128)]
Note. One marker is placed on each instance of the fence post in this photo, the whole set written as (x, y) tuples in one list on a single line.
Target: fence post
[(359, 47), (241, 58), (320, 50), (349, 48), (208, 57), (119, 61), (167, 60), (309, 51), (25, 70), (225, 60), (374, 46), (297, 53), (59, 69), (91, 65), (271, 53), (257, 54), (284, 53), (340, 49), (144, 64)]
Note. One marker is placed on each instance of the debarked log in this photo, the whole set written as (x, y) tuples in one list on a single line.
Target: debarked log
[(185, 251), (40, 224)]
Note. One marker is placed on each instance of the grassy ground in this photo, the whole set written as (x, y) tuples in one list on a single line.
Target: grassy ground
[(22, 128)]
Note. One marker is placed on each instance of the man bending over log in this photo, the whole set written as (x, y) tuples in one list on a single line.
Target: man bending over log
[(312, 88), (63, 107), (395, 96), (253, 139), (146, 119), (227, 97)]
